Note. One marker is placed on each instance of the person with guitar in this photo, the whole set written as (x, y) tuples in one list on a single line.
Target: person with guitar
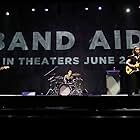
[(133, 70)]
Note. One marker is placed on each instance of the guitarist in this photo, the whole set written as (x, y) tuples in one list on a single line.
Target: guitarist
[(133, 62)]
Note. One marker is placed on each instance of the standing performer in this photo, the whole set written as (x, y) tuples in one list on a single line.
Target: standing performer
[(133, 70)]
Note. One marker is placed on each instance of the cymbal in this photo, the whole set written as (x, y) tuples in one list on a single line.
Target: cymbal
[(50, 78), (59, 77), (76, 74)]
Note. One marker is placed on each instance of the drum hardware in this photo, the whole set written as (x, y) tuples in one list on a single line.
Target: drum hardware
[(52, 91), (51, 78), (60, 88), (64, 90), (70, 89), (76, 92), (50, 71), (54, 82), (76, 74), (59, 77)]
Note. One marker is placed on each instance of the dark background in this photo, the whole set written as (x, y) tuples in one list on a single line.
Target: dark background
[(65, 16)]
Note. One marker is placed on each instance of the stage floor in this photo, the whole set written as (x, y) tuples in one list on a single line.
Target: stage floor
[(119, 106), (56, 95)]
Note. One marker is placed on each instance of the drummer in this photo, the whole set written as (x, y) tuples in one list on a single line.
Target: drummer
[(68, 77)]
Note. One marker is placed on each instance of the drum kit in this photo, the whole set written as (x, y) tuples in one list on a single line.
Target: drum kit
[(59, 88)]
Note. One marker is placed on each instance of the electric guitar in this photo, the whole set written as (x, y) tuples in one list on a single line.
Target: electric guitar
[(4, 67), (130, 70)]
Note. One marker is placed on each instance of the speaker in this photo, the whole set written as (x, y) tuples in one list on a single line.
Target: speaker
[(113, 82)]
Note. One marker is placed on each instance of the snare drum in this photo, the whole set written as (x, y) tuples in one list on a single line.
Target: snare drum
[(64, 90)]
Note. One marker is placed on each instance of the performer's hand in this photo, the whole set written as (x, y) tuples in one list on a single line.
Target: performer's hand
[(136, 65)]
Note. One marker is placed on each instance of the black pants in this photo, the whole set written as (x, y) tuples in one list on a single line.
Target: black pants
[(134, 82)]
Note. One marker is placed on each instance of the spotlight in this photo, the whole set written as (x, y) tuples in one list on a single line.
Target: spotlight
[(99, 8), (33, 9), (128, 10), (139, 6), (46, 10), (7, 13), (86, 9)]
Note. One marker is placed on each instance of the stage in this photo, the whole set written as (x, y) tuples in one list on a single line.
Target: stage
[(80, 107), (68, 60)]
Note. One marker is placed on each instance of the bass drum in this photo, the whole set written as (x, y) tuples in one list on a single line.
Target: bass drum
[(64, 90)]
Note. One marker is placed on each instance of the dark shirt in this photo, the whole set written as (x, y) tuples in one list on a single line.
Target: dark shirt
[(134, 59), (68, 80)]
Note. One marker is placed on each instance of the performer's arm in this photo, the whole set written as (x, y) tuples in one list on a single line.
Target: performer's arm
[(65, 81), (129, 64)]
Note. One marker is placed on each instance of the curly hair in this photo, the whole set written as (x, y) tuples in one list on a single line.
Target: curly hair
[(134, 50)]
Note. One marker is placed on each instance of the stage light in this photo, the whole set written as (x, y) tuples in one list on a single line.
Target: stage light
[(7, 13), (99, 8), (10, 116), (46, 10), (33, 9), (128, 10), (139, 6), (86, 9), (99, 117), (123, 116)]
